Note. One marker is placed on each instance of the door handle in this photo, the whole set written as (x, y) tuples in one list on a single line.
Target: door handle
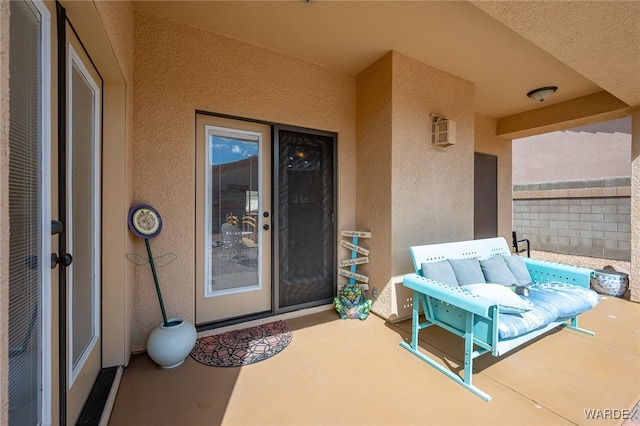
[(64, 260), (56, 227)]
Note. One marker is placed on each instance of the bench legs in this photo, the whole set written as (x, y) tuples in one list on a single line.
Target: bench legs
[(468, 350), (574, 326)]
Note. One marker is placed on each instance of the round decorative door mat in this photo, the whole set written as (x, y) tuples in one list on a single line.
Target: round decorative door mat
[(242, 347)]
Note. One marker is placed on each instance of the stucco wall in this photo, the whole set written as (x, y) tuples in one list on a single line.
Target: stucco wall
[(487, 142), (181, 69), (569, 155), (430, 194), (374, 129), (432, 188)]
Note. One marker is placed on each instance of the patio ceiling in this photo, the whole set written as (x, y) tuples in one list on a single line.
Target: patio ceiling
[(505, 48)]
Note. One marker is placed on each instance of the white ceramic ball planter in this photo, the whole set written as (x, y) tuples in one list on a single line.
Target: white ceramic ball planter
[(170, 343), (168, 346)]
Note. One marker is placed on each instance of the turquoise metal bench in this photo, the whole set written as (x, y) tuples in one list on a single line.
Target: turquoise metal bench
[(471, 317)]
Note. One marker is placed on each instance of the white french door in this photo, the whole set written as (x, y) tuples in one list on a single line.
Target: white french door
[(83, 147), (233, 218), (53, 208), (29, 214)]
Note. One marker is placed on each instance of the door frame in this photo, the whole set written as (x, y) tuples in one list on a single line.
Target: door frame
[(485, 209), (61, 29), (275, 309)]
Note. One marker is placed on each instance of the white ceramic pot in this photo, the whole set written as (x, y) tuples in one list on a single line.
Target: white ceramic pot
[(169, 346), (610, 283)]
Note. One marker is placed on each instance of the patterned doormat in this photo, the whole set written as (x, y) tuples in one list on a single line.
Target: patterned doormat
[(242, 347)]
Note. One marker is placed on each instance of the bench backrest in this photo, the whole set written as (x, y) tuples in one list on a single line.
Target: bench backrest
[(471, 249)]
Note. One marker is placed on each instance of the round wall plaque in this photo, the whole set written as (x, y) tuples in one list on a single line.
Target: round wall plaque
[(144, 221)]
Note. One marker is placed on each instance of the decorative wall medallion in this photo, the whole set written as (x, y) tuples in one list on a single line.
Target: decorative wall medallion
[(145, 221)]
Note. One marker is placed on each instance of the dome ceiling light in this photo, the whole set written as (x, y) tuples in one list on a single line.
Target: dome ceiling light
[(542, 93)]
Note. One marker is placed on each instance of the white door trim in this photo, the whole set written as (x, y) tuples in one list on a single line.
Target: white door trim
[(74, 61)]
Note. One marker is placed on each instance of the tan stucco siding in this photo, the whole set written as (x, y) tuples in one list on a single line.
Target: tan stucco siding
[(117, 21), (571, 155), (374, 129), (409, 192), (181, 69), (487, 142), (432, 188)]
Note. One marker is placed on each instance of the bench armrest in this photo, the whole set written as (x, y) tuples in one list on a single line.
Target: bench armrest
[(542, 270), (452, 295)]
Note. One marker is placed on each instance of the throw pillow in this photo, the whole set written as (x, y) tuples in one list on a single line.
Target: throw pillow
[(508, 302), (467, 271), (496, 271), (440, 271), (518, 269)]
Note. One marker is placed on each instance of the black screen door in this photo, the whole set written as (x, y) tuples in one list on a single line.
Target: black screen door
[(485, 190), (305, 268)]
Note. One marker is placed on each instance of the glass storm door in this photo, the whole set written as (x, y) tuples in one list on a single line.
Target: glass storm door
[(83, 225), (29, 215), (233, 217)]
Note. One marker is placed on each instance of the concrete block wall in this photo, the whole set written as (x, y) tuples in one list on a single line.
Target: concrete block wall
[(587, 217)]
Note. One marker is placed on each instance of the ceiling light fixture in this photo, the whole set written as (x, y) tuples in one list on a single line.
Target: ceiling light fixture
[(542, 93)]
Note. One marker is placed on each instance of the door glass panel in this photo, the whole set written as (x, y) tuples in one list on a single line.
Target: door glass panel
[(27, 213), (84, 276), (306, 247), (233, 202)]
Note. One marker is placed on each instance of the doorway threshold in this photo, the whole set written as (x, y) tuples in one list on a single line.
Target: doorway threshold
[(97, 409), (264, 320)]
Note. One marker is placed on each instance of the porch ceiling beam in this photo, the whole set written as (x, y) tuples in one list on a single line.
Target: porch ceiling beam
[(581, 111)]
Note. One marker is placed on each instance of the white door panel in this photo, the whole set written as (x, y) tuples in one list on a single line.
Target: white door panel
[(83, 225), (28, 214), (233, 216)]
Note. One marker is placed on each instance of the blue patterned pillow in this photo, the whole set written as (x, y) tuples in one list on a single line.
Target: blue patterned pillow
[(467, 271), (440, 271), (496, 271)]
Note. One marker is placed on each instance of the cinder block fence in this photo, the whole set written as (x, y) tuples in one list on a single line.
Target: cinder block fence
[(586, 217)]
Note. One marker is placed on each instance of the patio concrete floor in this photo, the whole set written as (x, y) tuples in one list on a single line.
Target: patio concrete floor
[(352, 372)]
